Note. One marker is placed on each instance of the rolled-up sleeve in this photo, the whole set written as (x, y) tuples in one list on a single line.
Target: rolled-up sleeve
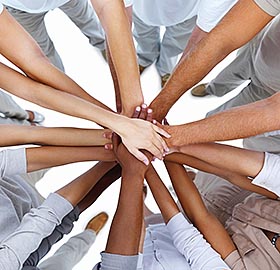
[(12, 162), (35, 226), (190, 243), (115, 261)]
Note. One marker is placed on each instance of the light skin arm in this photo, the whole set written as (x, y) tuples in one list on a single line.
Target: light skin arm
[(197, 35), (193, 206), (50, 156), (239, 122), (122, 57), (236, 165), (136, 134), (19, 47), (15, 41), (239, 26), (55, 136)]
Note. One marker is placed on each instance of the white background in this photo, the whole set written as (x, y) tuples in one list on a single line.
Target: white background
[(85, 65)]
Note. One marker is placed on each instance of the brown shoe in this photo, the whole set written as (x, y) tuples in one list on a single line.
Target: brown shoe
[(164, 79), (97, 222), (200, 90)]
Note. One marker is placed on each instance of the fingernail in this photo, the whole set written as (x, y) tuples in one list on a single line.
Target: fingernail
[(166, 150), (154, 121), (149, 110), (104, 135), (138, 109), (146, 162), (106, 147), (144, 106)]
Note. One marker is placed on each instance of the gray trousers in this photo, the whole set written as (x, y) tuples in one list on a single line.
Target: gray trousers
[(232, 76), (11, 112), (166, 51), (80, 12), (64, 228), (70, 253)]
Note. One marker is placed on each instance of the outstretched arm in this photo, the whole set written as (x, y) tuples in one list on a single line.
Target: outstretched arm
[(235, 123), (20, 48), (240, 25), (55, 136), (49, 93), (44, 218), (186, 237), (50, 156), (122, 57), (195, 209), (136, 134), (239, 166)]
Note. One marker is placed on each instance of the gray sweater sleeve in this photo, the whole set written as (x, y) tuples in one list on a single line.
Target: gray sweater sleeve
[(35, 226), (12, 162)]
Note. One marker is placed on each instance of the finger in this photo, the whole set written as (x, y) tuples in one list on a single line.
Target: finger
[(115, 139), (161, 131), (136, 112), (149, 115), (164, 145), (156, 150), (140, 156), (108, 146), (108, 135), (143, 112)]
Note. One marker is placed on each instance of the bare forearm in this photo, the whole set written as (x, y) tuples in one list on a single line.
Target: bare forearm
[(54, 99), (128, 218), (239, 122), (240, 25), (19, 47), (122, 52), (195, 209), (55, 136), (165, 202), (51, 156)]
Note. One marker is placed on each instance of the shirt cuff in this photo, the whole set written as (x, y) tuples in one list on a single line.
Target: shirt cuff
[(269, 173), (178, 222), (13, 162), (115, 261), (60, 206)]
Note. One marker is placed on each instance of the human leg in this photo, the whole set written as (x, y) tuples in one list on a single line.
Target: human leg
[(148, 41), (70, 253), (34, 24), (237, 72), (252, 92), (83, 16), (173, 43)]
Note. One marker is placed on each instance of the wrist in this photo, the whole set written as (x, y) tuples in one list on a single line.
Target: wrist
[(119, 125), (129, 171)]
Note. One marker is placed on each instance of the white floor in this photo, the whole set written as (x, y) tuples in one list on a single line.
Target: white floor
[(86, 66)]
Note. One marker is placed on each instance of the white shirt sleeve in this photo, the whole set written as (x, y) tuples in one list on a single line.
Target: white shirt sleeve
[(190, 243), (35, 226), (211, 12), (269, 173)]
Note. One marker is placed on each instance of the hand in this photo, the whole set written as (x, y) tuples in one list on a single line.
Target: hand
[(167, 128), (138, 134), (127, 161)]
